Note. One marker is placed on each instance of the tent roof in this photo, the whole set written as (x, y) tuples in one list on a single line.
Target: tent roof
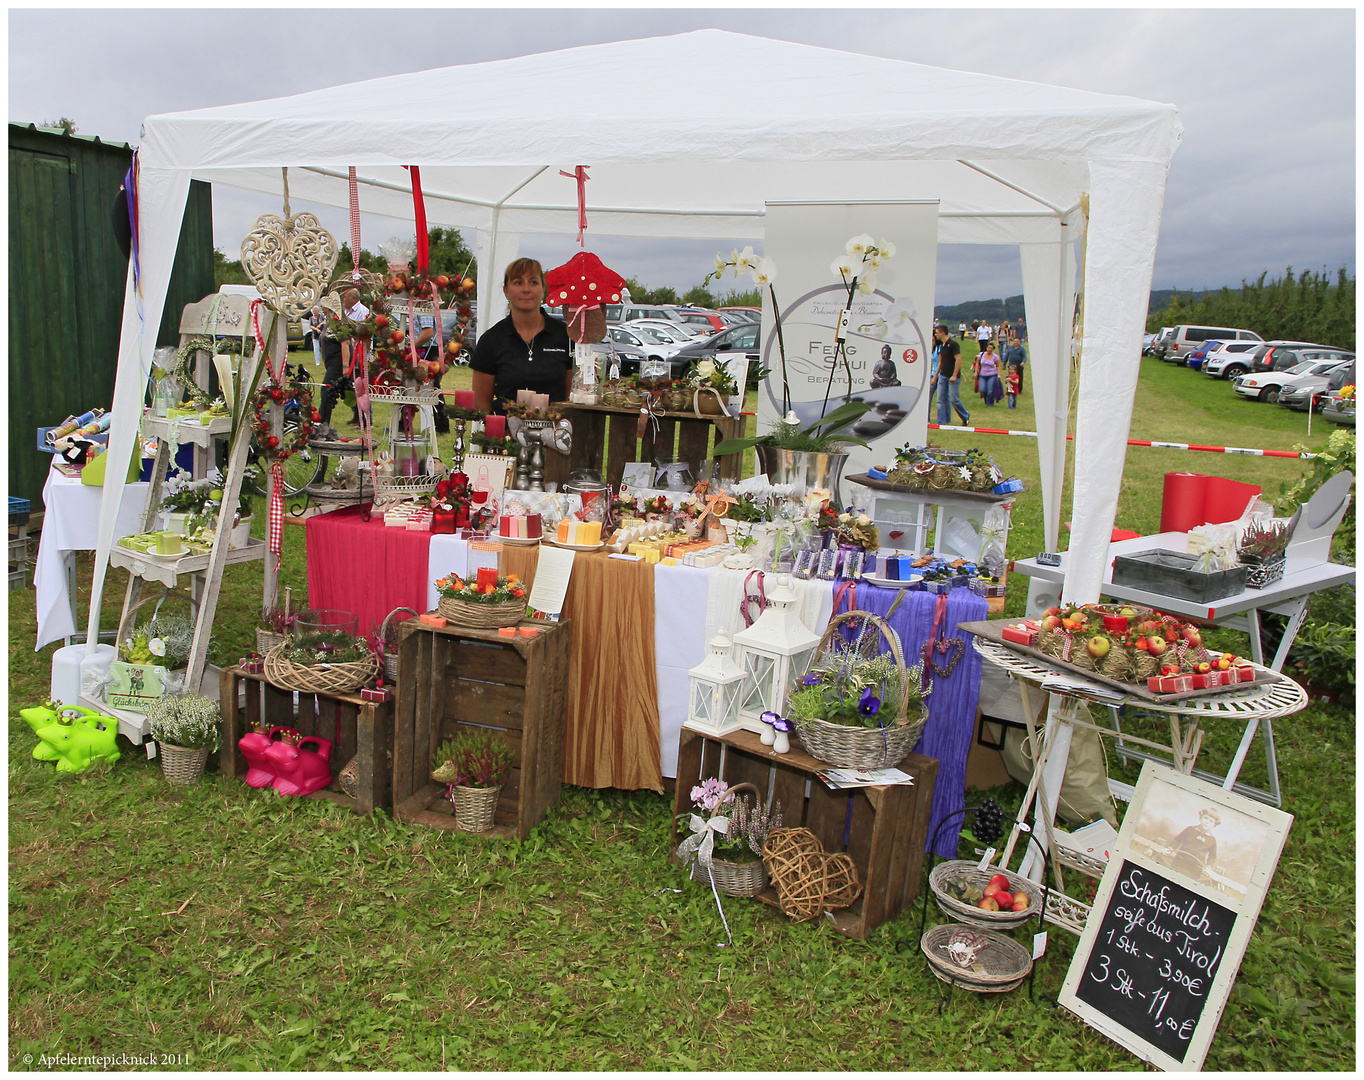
[(711, 123)]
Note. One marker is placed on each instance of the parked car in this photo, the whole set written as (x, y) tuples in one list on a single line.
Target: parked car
[(1175, 346), (676, 333), (1195, 359), (644, 338), (1337, 409), (629, 312), (741, 340), (295, 332), (753, 314), (1229, 359), (1301, 388), (1148, 342), (1269, 385), (700, 317), (1283, 357)]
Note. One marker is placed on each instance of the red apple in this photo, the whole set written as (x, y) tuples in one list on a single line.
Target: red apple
[(1004, 900), (1192, 636), (1051, 623), (993, 888), (1098, 646), (988, 904), (1000, 880), (381, 320), (1155, 645), (1052, 611), (1021, 902)]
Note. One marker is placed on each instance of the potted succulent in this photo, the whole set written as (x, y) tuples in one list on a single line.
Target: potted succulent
[(474, 765), (185, 728), (1261, 550), (732, 858)]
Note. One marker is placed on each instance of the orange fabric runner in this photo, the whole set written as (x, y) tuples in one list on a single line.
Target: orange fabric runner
[(611, 732)]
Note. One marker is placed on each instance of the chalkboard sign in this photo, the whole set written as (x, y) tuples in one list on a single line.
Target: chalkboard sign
[(1172, 916), (1155, 957)]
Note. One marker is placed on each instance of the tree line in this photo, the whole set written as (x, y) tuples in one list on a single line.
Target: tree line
[(1310, 306)]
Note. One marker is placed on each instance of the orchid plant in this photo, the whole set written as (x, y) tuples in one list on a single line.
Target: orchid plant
[(762, 270), (857, 268)]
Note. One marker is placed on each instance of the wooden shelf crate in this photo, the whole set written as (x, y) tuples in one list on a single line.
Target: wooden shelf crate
[(454, 679), (883, 829), (357, 728), (683, 436)]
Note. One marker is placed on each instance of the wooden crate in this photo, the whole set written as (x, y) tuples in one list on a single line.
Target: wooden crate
[(683, 436), (358, 729), (451, 680), (883, 829)]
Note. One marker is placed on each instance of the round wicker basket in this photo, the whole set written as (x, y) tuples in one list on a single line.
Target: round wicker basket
[(733, 879), (391, 654), (967, 873), (475, 808), (482, 616), (844, 746), (318, 678), (182, 765), (999, 964)]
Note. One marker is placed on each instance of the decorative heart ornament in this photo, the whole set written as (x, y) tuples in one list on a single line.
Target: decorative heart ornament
[(289, 261), (942, 647)]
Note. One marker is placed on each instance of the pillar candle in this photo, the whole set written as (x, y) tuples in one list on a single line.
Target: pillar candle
[(495, 426), (464, 399), (487, 575), (524, 396)]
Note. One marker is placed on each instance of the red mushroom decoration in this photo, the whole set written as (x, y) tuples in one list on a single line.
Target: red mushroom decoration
[(581, 286)]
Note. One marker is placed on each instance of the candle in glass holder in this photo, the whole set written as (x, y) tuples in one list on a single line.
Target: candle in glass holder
[(487, 575), (495, 426)]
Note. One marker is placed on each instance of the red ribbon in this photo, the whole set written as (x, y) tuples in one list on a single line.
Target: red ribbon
[(580, 174), (939, 613), (419, 212)]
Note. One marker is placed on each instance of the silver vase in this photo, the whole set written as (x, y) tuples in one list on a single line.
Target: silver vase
[(802, 469)]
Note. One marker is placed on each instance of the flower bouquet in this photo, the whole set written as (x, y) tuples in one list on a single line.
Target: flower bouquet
[(484, 604), (711, 386)]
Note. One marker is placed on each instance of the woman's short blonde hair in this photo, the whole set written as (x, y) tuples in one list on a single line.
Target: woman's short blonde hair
[(518, 267)]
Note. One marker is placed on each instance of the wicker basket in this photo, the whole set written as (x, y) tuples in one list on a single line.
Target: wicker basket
[(846, 747), (475, 808), (476, 616), (745, 879), (999, 964), (391, 655), (267, 640), (318, 678), (181, 765), (968, 873)]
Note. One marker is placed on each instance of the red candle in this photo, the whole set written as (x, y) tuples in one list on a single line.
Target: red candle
[(495, 426), (464, 399), (487, 575)]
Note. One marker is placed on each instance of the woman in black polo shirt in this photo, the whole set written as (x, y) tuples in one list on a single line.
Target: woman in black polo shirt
[(528, 350)]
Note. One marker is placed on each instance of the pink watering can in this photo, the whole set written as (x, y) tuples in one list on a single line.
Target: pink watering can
[(291, 768)]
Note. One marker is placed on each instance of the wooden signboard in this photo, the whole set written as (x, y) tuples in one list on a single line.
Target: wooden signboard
[(1173, 915)]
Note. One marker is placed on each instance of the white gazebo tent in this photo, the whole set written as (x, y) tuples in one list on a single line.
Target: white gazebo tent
[(718, 124)]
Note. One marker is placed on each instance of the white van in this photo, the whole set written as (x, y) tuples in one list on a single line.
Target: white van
[(1176, 345)]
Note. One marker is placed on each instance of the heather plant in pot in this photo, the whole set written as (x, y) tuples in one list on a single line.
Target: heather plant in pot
[(474, 766)]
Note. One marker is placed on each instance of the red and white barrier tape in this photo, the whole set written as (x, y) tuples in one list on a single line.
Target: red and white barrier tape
[(1141, 442)]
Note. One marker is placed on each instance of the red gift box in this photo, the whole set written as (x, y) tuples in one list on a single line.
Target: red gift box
[(376, 693), (251, 665), (1170, 684), (1235, 675), (442, 521), (1205, 680), (1020, 635)]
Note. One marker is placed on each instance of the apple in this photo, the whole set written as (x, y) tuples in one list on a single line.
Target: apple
[(992, 888), (433, 368), (1148, 627), (1224, 664), (1098, 646), (1127, 612), (1051, 623), (1053, 610), (1155, 645), (1021, 902), (442, 282), (381, 320), (397, 336), (1204, 668), (1192, 636), (988, 904), (1000, 880), (1004, 900)]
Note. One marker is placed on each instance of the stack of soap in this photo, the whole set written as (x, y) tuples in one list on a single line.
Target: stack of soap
[(520, 526), (571, 531)]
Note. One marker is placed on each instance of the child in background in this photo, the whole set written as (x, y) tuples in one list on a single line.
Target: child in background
[(1013, 381)]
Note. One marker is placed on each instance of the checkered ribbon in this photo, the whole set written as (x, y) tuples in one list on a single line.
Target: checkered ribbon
[(277, 510)]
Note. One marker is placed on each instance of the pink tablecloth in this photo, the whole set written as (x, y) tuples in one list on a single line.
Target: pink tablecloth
[(365, 567)]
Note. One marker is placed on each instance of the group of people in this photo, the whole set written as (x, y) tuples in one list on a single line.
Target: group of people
[(996, 375)]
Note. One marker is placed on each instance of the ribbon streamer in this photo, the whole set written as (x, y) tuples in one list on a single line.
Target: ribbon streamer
[(419, 212), (702, 843), (580, 174), (717, 505), (651, 409), (440, 330), (130, 193), (277, 510), (354, 224)]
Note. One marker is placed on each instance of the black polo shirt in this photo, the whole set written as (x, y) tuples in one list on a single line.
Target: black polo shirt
[(542, 368)]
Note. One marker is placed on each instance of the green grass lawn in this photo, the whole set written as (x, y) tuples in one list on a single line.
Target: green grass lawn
[(238, 930)]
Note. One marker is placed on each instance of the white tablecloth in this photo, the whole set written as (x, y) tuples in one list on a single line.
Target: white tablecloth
[(70, 524)]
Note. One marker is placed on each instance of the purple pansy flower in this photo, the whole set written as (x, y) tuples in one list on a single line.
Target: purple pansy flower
[(868, 704)]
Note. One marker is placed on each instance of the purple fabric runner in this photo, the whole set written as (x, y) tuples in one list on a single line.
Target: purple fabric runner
[(953, 701)]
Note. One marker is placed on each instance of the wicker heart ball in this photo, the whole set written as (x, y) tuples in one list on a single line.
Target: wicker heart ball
[(808, 879)]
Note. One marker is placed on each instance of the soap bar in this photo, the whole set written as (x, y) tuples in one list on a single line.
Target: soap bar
[(528, 631), (506, 631), (432, 619)]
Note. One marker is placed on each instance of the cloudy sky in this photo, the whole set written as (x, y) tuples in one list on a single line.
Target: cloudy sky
[(1264, 179)]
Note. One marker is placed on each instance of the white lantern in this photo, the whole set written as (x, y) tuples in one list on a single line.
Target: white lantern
[(715, 681), (775, 648)]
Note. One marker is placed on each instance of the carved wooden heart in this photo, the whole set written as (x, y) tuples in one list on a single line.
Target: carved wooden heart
[(289, 261)]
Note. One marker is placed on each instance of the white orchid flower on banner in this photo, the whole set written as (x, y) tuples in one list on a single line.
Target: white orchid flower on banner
[(896, 322), (886, 248), (763, 271), (744, 260), (721, 264), (843, 266), (859, 244)]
